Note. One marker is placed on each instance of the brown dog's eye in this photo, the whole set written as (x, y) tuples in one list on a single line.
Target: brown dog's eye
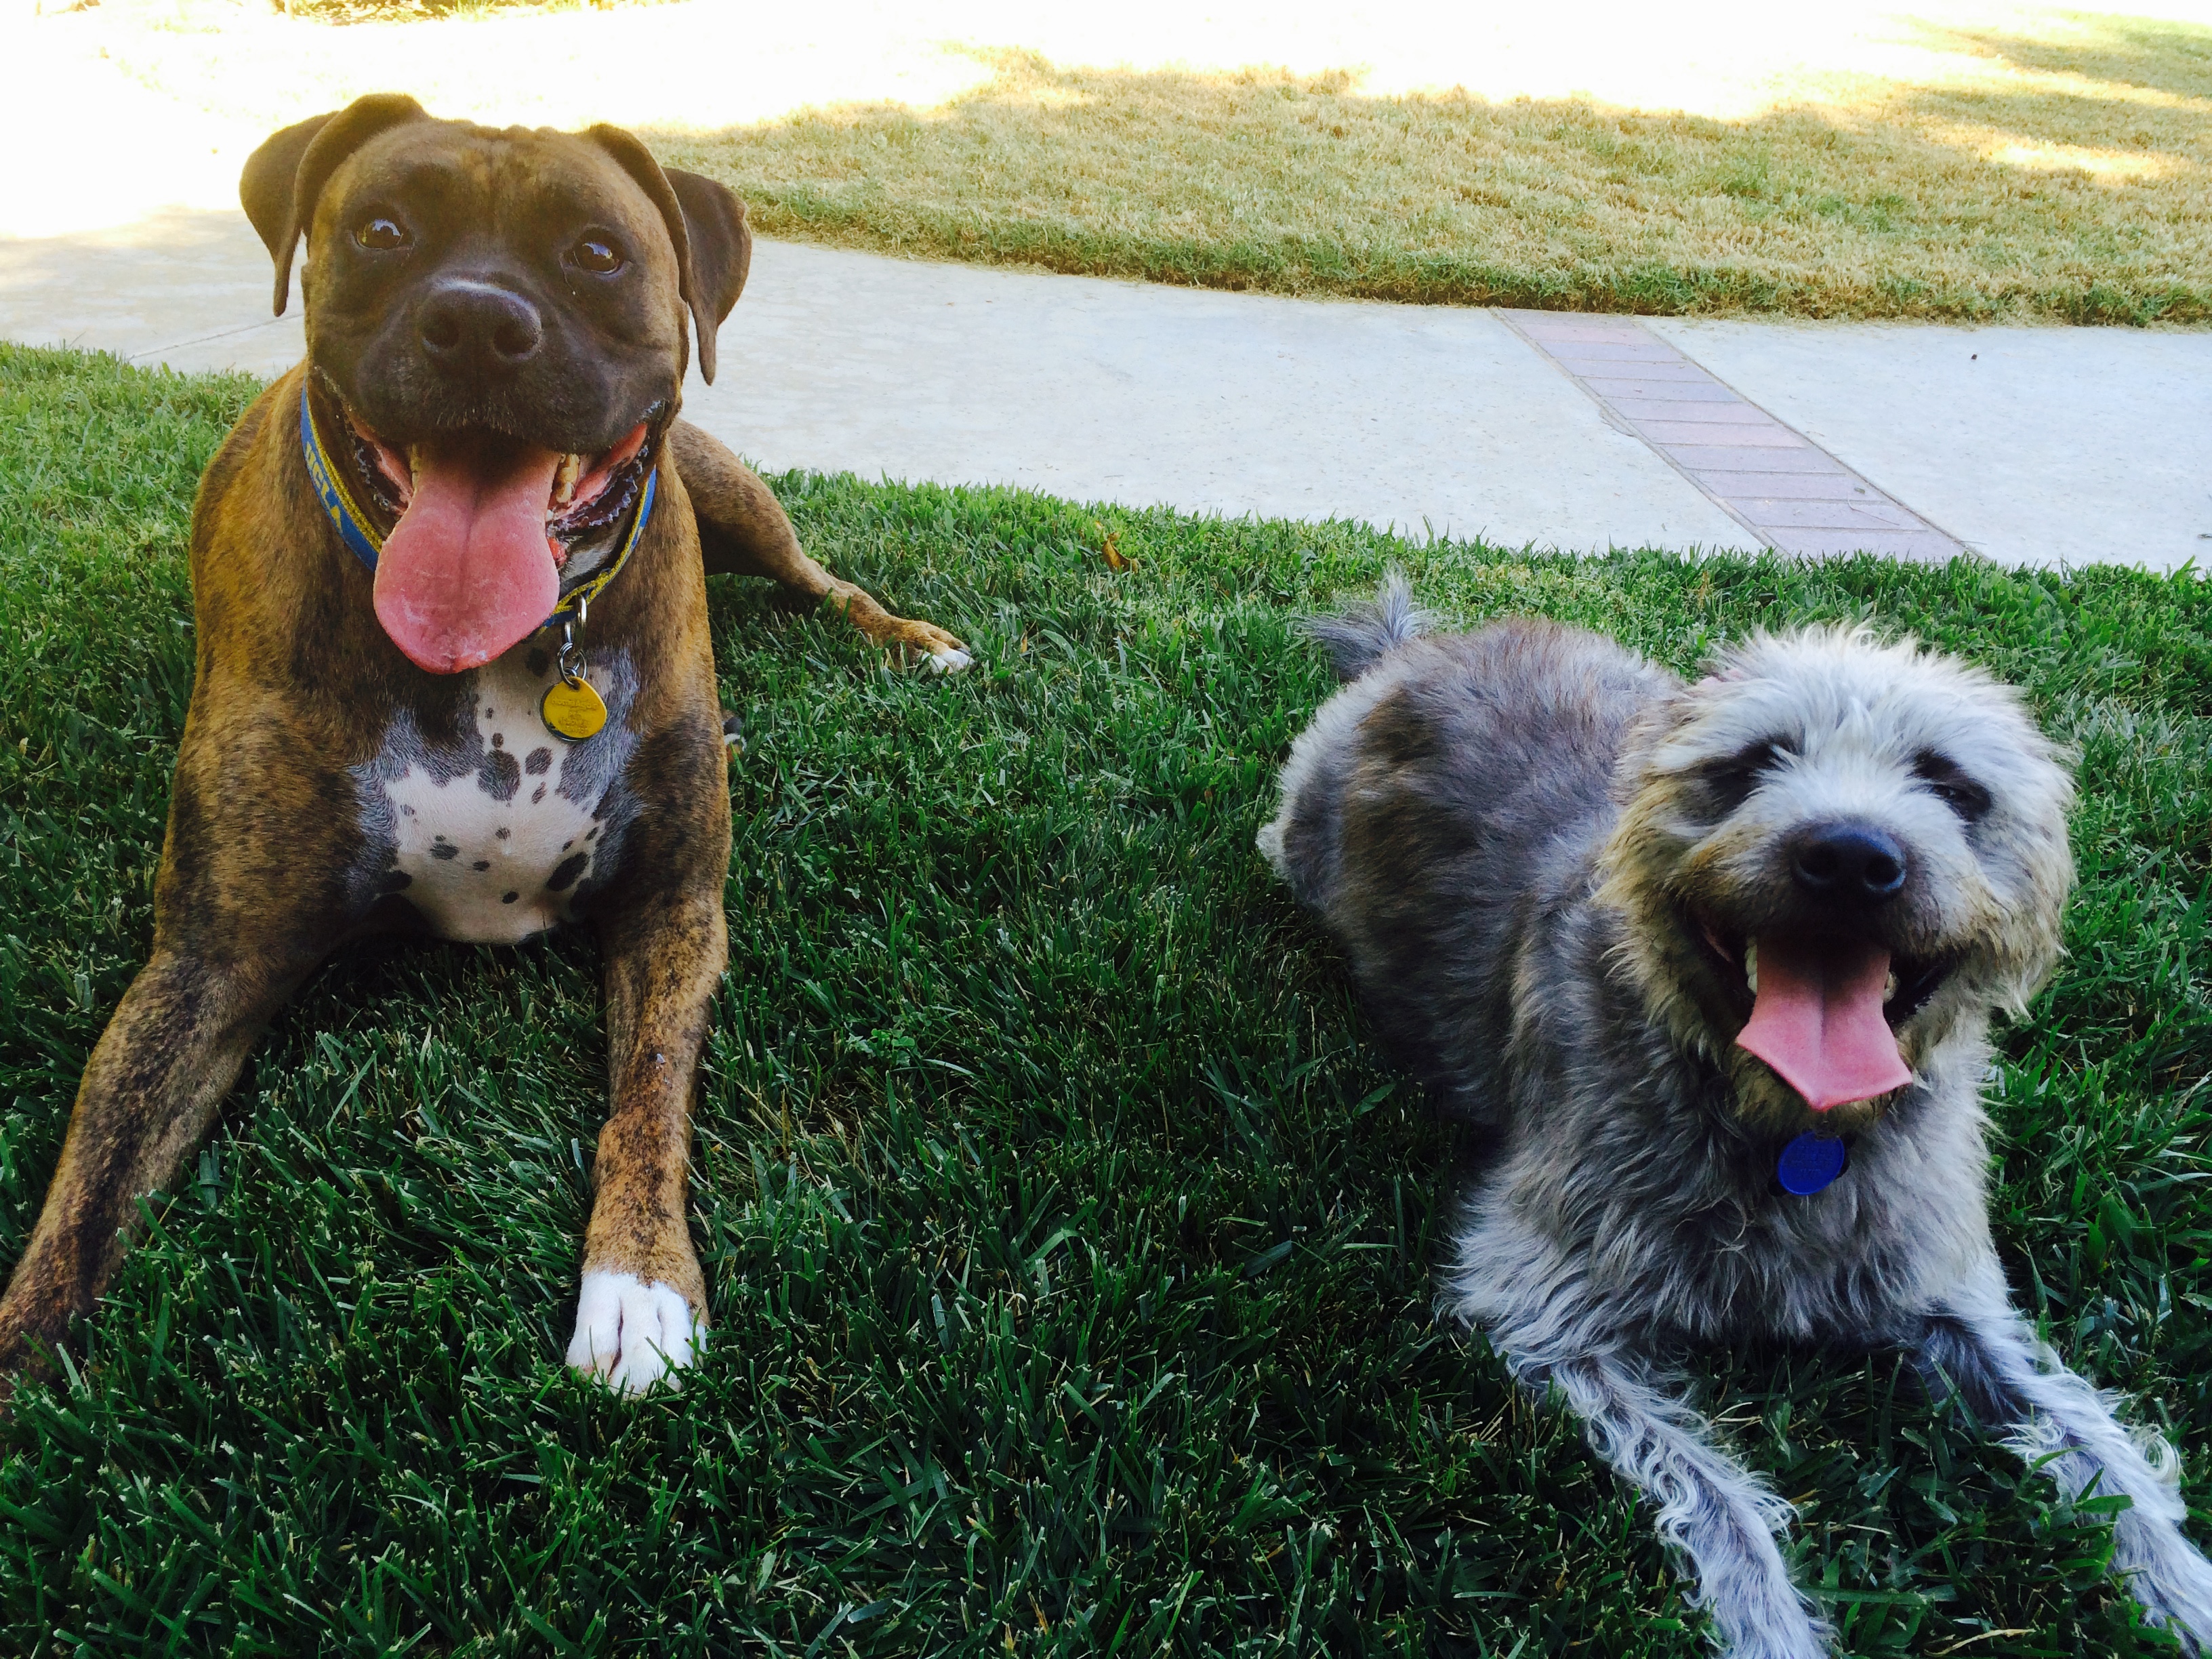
[(595, 256), (381, 234)]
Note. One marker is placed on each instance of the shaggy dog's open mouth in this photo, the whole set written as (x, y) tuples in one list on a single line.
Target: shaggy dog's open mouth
[(1823, 1010), (484, 524)]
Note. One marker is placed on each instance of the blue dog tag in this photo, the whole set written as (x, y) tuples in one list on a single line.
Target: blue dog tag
[(1811, 1162)]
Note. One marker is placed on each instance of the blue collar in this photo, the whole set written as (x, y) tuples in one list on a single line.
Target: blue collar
[(356, 533)]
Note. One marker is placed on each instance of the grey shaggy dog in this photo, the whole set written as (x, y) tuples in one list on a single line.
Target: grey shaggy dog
[(1661, 939)]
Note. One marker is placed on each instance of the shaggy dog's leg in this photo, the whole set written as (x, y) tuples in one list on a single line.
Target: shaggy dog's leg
[(2012, 1382), (1712, 1509)]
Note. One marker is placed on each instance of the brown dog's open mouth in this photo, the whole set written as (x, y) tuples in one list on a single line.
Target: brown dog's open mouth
[(1824, 1010), (485, 524)]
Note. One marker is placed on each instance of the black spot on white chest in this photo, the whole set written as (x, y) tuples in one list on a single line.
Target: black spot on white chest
[(490, 835)]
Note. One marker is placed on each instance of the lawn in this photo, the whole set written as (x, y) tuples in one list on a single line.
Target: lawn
[(1070, 1251), (2066, 177)]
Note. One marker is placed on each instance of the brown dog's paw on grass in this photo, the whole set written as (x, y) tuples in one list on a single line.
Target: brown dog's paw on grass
[(920, 643), (927, 644)]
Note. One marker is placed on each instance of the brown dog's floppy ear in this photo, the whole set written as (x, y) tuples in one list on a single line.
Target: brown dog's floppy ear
[(721, 253), (264, 188), (706, 222), (283, 177)]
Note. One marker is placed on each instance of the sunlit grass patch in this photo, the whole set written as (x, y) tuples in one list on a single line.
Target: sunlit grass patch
[(2070, 181)]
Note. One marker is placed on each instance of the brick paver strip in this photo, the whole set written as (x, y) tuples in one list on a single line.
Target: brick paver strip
[(1710, 435), (1720, 459), (1790, 486), (1819, 514), (1729, 411), (1771, 478), (1681, 391)]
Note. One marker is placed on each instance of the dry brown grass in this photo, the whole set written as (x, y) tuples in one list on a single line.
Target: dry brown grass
[(2070, 178)]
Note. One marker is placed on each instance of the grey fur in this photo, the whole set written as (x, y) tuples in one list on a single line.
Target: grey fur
[(1523, 837), (1358, 635)]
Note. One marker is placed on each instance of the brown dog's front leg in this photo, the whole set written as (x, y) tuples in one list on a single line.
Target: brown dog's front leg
[(744, 531), (644, 1300), (149, 1092)]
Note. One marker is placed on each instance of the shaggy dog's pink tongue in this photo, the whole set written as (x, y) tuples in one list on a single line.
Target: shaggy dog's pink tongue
[(1817, 1020), (467, 572)]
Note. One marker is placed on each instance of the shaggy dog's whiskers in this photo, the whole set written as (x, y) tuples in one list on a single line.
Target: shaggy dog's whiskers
[(1715, 962)]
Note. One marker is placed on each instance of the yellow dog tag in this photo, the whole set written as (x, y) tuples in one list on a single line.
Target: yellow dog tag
[(572, 709)]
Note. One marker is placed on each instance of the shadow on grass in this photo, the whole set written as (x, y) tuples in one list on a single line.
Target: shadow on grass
[(2150, 53)]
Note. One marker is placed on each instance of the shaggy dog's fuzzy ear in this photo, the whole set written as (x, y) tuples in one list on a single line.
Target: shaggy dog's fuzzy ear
[(1656, 722), (2030, 835)]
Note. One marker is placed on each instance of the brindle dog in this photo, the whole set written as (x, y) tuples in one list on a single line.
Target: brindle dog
[(496, 344)]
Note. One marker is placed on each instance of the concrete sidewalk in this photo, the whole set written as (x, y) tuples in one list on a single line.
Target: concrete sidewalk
[(2028, 445)]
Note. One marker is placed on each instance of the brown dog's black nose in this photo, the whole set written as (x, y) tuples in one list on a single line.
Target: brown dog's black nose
[(478, 326), (1850, 862)]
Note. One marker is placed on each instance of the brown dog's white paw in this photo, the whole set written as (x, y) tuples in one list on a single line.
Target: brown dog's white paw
[(922, 644), (631, 1334), (938, 652)]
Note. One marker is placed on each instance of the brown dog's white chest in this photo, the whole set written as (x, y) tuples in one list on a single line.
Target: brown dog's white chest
[(492, 836)]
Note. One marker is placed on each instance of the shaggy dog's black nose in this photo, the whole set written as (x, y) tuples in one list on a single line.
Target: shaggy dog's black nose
[(481, 326), (1850, 862)]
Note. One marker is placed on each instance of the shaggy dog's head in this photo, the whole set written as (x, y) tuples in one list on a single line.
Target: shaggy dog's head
[(1834, 855)]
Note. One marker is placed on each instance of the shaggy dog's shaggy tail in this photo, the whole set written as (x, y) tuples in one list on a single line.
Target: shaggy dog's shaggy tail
[(1360, 633)]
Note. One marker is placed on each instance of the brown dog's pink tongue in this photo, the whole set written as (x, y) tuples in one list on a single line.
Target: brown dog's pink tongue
[(1817, 1020), (467, 572)]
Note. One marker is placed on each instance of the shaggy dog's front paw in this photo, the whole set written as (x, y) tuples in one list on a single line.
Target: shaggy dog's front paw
[(631, 1335)]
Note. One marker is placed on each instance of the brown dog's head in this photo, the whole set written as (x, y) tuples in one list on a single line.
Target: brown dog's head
[(1837, 857), (496, 336)]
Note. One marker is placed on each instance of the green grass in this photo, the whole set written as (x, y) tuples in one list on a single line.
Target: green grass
[(1070, 1250), (2068, 180)]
